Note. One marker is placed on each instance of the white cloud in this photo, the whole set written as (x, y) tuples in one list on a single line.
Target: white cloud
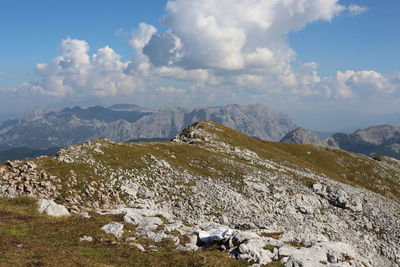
[(234, 43), (197, 75), (356, 10), (214, 50), (122, 33), (171, 90), (140, 38), (234, 35), (360, 84), (76, 73)]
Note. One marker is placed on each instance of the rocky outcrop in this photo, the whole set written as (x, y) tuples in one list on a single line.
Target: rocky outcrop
[(303, 136), (21, 178), (258, 246), (114, 228), (322, 254)]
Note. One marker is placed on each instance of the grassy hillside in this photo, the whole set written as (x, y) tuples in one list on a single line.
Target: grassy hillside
[(349, 168), (201, 158), (32, 239)]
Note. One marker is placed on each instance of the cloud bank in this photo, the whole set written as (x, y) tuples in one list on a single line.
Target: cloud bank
[(212, 49)]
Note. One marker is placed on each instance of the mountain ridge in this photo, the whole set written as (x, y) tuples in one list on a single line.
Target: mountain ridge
[(372, 141), (42, 129)]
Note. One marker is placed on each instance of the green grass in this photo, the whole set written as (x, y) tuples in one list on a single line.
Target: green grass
[(32, 239)]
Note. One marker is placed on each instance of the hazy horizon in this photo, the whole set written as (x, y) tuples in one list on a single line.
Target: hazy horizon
[(325, 122)]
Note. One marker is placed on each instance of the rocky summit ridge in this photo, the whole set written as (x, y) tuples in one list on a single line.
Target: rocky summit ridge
[(214, 188)]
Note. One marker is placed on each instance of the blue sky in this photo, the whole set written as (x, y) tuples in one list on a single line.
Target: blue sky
[(368, 41), (325, 56), (32, 30)]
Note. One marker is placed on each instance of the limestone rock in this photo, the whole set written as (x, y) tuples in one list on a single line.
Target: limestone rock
[(52, 208), (323, 254), (253, 251), (214, 235), (114, 228), (303, 136)]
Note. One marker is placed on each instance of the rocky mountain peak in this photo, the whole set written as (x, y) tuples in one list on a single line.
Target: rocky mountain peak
[(303, 136), (372, 141), (378, 134)]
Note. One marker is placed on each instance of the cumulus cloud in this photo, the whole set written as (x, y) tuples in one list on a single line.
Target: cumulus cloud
[(76, 72), (236, 43), (140, 38), (214, 50), (247, 35), (361, 84)]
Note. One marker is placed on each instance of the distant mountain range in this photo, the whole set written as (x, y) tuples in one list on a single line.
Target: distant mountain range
[(43, 129), (372, 141), (41, 132)]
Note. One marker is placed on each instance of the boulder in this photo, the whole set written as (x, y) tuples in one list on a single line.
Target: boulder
[(214, 235), (143, 223), (114, 228), (253, 251), (52, 208), (342, 199), (239, 237)]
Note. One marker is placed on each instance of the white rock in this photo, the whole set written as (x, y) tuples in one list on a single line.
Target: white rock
[(253, 251), (114, 228), (86, 238), (336, 253), (85, 215), (52, 208), (140, 247), (238, 237), (144, 219), (213, 235)]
